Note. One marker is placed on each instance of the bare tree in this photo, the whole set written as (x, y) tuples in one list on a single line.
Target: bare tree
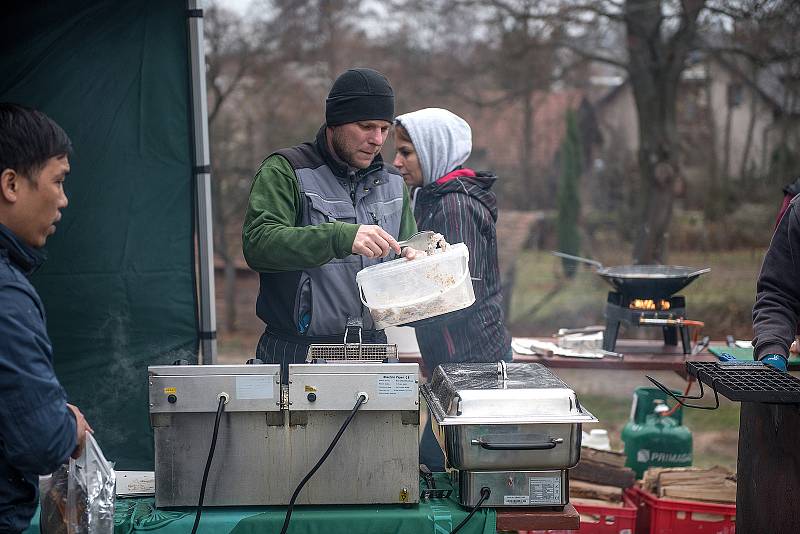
[(234, 52), (660, 34)]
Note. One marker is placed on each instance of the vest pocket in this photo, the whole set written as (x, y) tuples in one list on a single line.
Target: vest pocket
[(322, 211), (387, 214), (303, 304), (335, 296)]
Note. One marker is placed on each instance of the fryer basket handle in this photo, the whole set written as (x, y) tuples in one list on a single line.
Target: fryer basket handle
[(534, 446)]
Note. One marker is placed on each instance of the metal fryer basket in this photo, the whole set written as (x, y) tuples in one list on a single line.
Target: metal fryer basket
[(351, 352), (356, 352)]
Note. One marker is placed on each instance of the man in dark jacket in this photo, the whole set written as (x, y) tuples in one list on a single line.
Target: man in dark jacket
[(458, 203), (776, 312), (38, 429)]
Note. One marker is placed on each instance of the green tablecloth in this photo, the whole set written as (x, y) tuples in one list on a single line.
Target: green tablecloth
[(437, 516), (737, 352)]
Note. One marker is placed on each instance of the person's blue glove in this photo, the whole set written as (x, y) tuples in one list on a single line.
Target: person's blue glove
[(778, 361)]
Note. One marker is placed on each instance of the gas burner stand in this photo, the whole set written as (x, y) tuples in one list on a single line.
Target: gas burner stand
[(618, 311)]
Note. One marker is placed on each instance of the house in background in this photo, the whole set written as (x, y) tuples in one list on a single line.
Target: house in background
[(731, 124)]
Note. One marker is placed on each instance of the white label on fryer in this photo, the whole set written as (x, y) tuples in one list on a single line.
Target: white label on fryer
[(516, 500), (254, 387), (396, 385), (545, 489)]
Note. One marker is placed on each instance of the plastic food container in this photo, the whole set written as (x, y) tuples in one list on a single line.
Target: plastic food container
[(402, 291)]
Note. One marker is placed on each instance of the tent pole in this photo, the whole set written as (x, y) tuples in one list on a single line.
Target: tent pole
[(202, 173)]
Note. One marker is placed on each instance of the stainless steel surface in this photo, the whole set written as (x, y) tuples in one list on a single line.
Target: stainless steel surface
[(566, 256), (266, 446), (500, 447), (206, 370), (195, 388), (514, 488), (644, 281), (475, 393), (203, 203), (418, 241), (638, 271), (529, 420), (256, 463), (336, 386), (654, 271)]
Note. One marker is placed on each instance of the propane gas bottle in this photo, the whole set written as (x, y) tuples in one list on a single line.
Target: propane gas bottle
[(652, 438)]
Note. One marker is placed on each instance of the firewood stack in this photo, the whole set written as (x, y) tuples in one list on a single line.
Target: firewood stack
[(600, 476), (715, 484)]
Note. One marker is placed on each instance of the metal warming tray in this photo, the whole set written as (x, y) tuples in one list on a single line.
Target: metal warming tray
[(498, 416)]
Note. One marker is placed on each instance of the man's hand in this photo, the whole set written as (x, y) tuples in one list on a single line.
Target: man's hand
[(373, 241), (81, 428), (412, 253)]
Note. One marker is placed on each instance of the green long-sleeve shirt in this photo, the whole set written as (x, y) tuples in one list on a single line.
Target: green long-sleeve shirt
[(272, 241)]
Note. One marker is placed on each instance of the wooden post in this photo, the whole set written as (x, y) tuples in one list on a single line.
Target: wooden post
[(768, 473)]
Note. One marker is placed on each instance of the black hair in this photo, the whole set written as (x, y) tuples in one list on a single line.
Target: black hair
[(28, 138), (401, 132)]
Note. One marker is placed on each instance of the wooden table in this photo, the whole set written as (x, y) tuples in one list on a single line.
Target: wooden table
[(538, 519), (638, 355)]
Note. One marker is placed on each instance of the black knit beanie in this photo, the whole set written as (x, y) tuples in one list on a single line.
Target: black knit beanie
[(359, 95)]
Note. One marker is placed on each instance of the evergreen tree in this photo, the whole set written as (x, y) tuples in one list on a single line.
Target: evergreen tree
[(568, 200)]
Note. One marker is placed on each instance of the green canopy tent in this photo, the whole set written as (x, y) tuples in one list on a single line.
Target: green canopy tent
[(129, 278)]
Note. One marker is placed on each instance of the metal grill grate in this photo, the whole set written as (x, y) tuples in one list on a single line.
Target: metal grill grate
[(351, 352), (745, 382)]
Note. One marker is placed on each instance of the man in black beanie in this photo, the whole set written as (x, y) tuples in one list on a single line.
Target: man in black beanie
[(320, 212)]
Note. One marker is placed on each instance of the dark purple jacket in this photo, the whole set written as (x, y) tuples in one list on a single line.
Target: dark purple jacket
[(462, 207)]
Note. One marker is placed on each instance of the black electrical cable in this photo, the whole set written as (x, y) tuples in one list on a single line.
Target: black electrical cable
[(220, 409), (485, 492), (361, 400)]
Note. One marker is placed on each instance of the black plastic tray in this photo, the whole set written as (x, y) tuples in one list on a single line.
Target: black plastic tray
[(746, 382)]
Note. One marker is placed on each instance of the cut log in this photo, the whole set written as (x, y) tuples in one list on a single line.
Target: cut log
[(594, 502), (715, 484), (587, 490), (600, 473), (694, 476), (613, 458), (722, 493)]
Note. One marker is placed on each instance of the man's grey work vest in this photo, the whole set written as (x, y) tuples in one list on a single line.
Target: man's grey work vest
[(316, 302)]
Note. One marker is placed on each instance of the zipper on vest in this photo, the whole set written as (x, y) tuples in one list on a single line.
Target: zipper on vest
[(351, 179)]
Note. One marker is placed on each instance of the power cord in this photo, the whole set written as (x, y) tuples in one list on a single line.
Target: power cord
[(485, 492), (362, 398), (223, 399)]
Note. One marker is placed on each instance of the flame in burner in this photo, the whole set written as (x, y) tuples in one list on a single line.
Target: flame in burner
[(649, 304)]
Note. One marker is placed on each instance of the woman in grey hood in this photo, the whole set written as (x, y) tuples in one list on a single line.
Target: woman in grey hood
[(432, 145)]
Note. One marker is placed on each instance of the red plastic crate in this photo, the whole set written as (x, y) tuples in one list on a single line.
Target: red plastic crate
[(672, 516), (599, 519)]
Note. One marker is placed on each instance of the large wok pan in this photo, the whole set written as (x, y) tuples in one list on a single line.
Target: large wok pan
[(643, 281)]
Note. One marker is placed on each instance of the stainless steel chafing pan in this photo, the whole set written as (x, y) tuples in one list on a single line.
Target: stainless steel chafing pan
[(501, 416)]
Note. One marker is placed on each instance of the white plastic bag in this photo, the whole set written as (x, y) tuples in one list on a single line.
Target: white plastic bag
[(90, 492), (53, 499)]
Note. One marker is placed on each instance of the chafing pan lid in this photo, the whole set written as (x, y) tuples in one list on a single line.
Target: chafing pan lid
[(500, 393)]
